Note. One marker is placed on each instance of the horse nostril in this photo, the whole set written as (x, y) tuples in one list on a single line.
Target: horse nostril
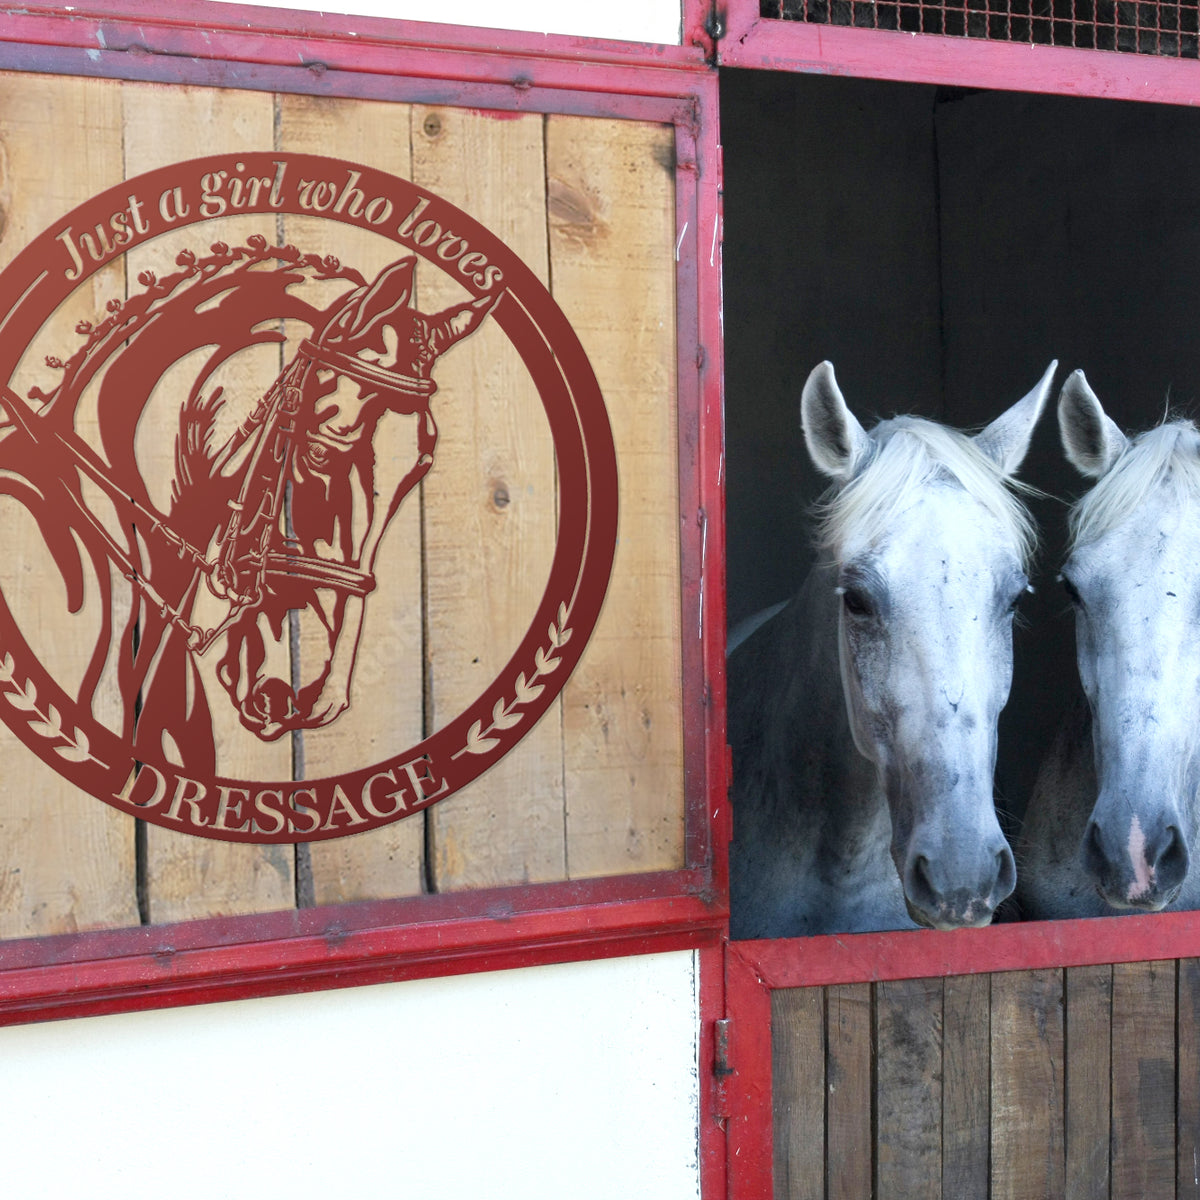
[(1006, 874), (1171, 867), (920, 887), (1095, 861)]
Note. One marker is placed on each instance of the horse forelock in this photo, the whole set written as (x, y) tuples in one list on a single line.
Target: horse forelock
[(1167, 455), (910, 454)]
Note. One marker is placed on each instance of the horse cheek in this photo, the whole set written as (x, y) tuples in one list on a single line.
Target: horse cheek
[(865, 663)]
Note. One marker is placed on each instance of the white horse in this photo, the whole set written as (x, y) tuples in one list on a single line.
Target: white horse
[(863, 715), (1113, 817)]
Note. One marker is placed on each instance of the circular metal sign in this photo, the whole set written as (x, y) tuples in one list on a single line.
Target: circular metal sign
[(283, 514)]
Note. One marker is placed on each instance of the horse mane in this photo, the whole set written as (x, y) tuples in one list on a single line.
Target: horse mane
[(194, 453), (1168, 454), (908, 454)]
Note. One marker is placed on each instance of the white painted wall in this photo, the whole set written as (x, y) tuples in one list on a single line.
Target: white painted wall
[(626, 20), (572, 1082)]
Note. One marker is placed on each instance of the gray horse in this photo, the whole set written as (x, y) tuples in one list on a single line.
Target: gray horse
[(863, 714), (1113, 818)]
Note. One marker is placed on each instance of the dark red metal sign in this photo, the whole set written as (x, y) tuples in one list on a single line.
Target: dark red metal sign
[(280, 517)]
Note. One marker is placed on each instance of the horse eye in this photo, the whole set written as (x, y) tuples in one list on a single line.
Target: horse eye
[(1016, 600), (1072, 594), (856, 603)]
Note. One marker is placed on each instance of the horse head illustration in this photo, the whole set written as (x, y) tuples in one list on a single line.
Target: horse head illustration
[(317, 494), (270, 531)]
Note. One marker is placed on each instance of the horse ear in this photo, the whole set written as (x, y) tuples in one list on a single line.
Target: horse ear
[(836, 442), (453, 324), (366, 309), (1006, 440), (1090, 438)]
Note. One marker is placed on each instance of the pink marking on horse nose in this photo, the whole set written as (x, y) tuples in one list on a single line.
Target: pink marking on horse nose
[(1143, 870)]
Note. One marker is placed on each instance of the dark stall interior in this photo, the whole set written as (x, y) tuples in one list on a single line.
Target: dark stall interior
[(940, 247)]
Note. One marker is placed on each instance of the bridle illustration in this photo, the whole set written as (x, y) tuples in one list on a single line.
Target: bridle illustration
[(280, 521)]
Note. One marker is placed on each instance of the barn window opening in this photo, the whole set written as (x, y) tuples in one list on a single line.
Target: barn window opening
[(1171, 30), (939, 246)]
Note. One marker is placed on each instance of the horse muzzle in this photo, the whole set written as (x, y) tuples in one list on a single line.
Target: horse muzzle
[(1139, 869), (938, 895), (271, 709)]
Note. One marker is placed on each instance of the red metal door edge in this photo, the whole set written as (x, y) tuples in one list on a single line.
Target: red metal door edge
[(203, 30), (749, 40), (923, 953), (219, 19), (714, 1115), (746, 1084), (203, 963)]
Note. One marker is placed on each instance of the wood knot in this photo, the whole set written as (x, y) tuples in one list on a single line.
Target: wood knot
[(500, 497), (432, 125), (571, 211)]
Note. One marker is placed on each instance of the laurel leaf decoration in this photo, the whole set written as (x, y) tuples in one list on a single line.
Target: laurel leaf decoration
[(51, 727), (49, 724), (78, 749), (527, 692), (502, 718), (24, 698), (526, 689), (544, 663), (476, 742)]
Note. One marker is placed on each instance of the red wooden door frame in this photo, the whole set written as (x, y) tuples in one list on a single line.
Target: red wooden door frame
[(749, 40), (190, 41), (755, 969)]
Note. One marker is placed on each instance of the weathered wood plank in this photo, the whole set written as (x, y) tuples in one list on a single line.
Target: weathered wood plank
[(1028, 1159), (387, 696), (612, 229), (189, 877), (848, 1101), (1088, 1073), (1143, 1080), (1187, 1085), (490, 510), (966, 1052), (908, 1099), (798, 1092), (66, 859)]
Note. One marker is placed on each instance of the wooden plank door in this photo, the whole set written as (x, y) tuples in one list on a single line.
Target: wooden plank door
[(386, 712), (188, 877), (1077, 1082), (490, 512), (596, 788), (68, 860), (611, 212)]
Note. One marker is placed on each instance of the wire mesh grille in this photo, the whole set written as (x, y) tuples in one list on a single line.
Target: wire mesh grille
[(1165, 27)]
